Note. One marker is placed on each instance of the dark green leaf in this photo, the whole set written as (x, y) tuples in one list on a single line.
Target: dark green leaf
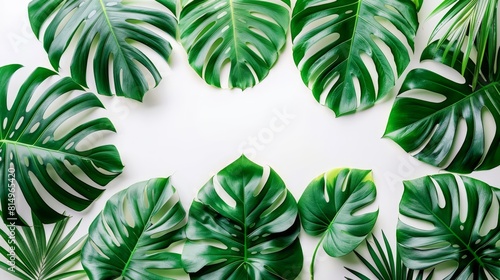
[(247, 35), (430, 126), (465, 238), (114, 28), (30, 147), (244, 224), (333, 39), (131, 235)]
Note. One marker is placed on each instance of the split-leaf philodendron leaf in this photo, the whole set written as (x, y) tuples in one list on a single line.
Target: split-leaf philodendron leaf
[(329, 205), (130, 237), (116, 28), (41, 156), (246, 35), (431, 111), (336, 43), (461, 226), (244, 224)]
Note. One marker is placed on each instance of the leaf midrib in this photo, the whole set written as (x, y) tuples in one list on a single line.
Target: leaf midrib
[(115, 38), (233, 22)]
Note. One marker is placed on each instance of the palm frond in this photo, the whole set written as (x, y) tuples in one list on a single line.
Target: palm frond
[(30, 256), (466, 25), (383, 265)]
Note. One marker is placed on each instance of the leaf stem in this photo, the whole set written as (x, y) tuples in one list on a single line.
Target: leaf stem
[(311, 268)]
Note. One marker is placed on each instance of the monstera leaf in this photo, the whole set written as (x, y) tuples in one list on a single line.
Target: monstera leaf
[(337, 42), (384, 266), (454, 231), (329, 206), (114, 27), (244, 224), (247, 35), (468, 24), (42, 157), (428, 121), (32, 257), (129, 238)]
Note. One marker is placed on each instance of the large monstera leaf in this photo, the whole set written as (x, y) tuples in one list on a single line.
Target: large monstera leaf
[(129, 238), (468, 235), (40, 157), (247, 35), (337, 42), (328, 208), (428, 121), (114, 27), (244, 224)]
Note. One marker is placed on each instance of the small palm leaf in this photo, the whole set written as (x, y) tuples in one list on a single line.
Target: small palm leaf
[(470, 25), (244, 224), (114, 27), (31, 256), (329, 207), (430, 126), (130, 237), (459, 231), (384, 266), (246, 34), (33, 152), (333, 40)]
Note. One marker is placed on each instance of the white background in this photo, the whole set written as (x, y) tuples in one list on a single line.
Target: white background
[(189, 130)]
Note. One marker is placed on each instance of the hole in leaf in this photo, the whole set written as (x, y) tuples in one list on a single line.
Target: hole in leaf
[(423, 95), (266, 170), (277, 203), (221, 192)]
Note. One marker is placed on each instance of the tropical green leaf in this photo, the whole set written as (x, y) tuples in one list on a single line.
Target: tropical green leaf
[(246, 35), (428, 121), (42, 152), (116, 29), (244, 224), (384, 266), (468, 24), (31, 256), (130, 237), (461, 227), (418, 4), (337, 42), (329, 205)]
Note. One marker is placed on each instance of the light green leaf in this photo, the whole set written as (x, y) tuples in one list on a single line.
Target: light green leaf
[(36, 152), (244, 224), (333, 40), (467, 239), (246, 35), (427, 121), (329, 205), (115, 28), (468, 24), (30, 256), (130, 237)]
